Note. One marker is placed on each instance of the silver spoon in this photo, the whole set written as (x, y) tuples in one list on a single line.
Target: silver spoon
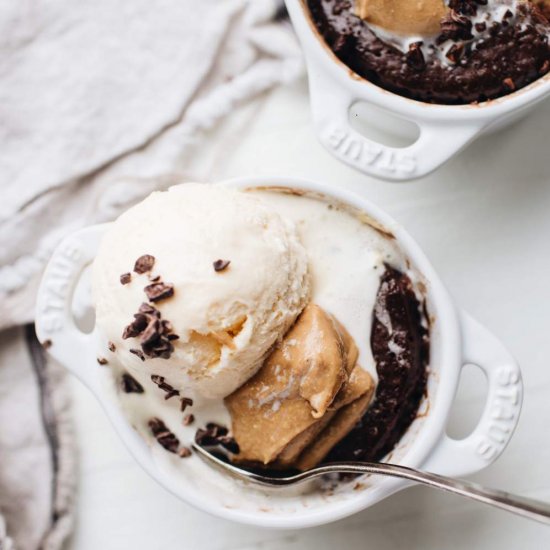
[(526, 507)]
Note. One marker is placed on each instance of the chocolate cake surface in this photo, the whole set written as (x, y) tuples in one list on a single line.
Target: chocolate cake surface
[(400, 346), (485, 49)]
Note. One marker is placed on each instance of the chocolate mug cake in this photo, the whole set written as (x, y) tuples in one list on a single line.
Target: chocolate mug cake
[(312, 288), (275, 326), (445, 52)]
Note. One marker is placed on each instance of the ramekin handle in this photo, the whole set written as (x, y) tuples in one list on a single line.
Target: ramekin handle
[(437, 142), (502, 408), (55, 325)]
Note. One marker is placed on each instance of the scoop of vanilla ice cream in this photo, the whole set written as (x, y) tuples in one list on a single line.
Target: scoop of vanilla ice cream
[(226, 320)]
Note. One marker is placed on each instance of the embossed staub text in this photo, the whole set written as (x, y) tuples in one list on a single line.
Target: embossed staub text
[(58, 286), (504, 411), (362, 153)]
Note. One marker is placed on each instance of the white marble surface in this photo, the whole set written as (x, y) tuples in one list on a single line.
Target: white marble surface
[(484, 220)]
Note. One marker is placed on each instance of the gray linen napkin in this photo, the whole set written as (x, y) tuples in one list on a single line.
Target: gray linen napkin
[(37, 455)]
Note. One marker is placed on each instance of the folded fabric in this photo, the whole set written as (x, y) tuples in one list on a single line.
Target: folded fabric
[(95, 91), (37, 454)]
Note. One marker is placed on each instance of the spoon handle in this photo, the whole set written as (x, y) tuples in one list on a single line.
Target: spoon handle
[(526, 507)]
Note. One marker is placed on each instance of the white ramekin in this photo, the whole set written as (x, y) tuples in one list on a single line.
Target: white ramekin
[(444, 129), (456, 340)]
